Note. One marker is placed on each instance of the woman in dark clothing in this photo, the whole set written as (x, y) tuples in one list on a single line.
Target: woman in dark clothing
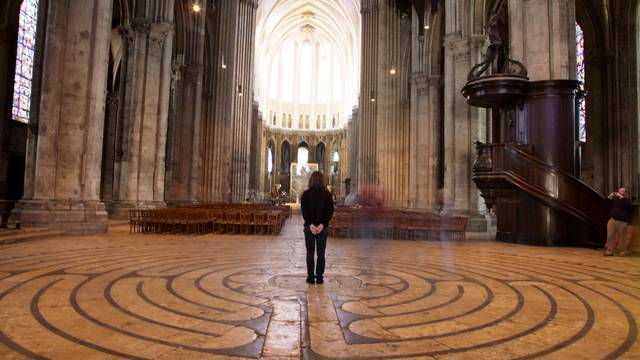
[(317, 209)]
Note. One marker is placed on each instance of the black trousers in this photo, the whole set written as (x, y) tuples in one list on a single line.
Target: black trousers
[(312, 242)]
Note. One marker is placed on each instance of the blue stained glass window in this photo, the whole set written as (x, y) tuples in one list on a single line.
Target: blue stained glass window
[(580, 76), (28, 22)]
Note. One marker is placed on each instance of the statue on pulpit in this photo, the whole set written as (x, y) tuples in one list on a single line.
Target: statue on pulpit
[(497, 56)]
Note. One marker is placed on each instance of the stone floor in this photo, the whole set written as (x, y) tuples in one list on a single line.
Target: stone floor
[(221, 297)]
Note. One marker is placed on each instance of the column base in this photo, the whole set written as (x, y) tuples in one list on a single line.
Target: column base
[(120, 209), (73, 216), (5, 210)]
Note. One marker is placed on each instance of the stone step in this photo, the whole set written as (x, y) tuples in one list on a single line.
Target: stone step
[(11, 236)]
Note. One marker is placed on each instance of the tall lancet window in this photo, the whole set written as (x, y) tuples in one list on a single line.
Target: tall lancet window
[(21, 108), (305, 73), (580, 76)]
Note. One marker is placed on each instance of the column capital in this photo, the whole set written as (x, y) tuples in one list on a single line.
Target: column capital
[(159, 32), (126, 32), (140, 25), (460, 47), (423, 82)]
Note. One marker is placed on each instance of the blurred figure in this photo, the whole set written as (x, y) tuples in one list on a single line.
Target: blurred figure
[(316, 204), (619, 217)]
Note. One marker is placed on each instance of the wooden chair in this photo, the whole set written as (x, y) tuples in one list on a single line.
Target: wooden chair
[(135, 221), (246, 222)]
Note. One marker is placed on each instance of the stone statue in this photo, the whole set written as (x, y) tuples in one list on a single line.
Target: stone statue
[(498, 51)]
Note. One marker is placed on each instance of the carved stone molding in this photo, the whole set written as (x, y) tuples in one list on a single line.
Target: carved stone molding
[(127, 33), (420, 82), (435, 80), (458, 47), (142, 26), (159, 32)]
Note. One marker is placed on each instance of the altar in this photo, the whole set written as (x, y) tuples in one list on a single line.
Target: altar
[(299, 179)]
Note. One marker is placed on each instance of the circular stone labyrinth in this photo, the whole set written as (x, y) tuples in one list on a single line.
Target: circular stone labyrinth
[(168, 297)]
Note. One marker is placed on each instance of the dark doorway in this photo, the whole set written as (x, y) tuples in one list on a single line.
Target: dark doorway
[(15, 178)]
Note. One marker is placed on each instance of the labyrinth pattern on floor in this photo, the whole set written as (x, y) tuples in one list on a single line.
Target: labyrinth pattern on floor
[(119, 296)]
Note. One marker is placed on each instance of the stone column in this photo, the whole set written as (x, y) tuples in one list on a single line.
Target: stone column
[(227, 138), (63, 188), (542, 36), (622, 152), (111, 140), (383, 132), (367, 150), (461, 121), (145, 109), (425, 109)]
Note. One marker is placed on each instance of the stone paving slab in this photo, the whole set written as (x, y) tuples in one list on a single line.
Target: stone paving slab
[(122, 296)]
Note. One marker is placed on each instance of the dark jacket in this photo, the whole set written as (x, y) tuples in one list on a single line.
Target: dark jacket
[(317, 206), (621, 209)]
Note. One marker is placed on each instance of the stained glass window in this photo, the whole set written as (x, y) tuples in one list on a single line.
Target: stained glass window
[(580, 76), (21, 106)]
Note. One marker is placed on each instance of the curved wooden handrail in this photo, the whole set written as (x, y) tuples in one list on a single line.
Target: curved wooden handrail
[(558, 189)]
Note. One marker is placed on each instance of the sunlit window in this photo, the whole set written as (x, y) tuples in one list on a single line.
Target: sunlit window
[(303, 155), (270, 161), (338, 82), (323, 76), (580, 76), (288, 62), (21, 106), (306, 66), (273, 80)]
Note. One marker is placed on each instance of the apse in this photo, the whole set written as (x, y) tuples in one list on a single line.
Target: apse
[(307, 62)]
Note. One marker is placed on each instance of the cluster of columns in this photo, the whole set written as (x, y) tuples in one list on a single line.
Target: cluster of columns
[(384, 131), (426, 166), (139, 120), (184, 170), (226, 128), (463, 124), (161, 102)]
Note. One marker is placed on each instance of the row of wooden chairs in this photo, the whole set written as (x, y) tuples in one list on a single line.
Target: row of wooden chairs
[(285, 209), (396, 224), (221, 220)]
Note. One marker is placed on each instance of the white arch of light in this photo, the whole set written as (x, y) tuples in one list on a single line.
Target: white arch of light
[(331, 24)]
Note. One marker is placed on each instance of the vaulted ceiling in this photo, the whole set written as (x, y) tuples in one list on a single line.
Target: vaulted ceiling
[(333, 23)]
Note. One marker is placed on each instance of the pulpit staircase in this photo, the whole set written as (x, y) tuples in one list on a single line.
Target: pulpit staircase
[(538, 203)]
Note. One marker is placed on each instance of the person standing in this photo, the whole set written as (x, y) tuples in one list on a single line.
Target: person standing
[(619, 217), (317, 209)]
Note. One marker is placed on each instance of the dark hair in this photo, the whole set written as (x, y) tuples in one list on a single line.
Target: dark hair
[(316, 180)]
